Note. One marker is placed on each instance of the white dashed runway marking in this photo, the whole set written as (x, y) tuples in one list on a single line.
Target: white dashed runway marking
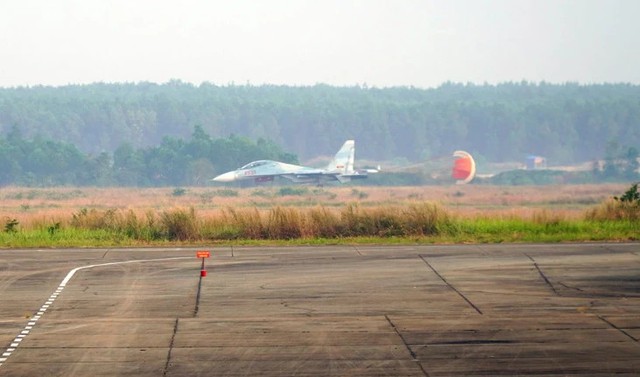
[(33, 320)]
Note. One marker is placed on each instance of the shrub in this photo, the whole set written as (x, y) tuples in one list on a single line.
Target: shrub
[(458, 194), (53, 228), (389, 224), (179, 191), (359, 194), (11, 225), (287, 190), (226, 192), (630, 196), (92, 219), (626, 207), (208, 195), (261, 193)]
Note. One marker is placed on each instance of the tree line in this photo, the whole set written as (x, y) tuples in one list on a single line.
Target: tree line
[(175, 162), (43, 162), (565, 123)]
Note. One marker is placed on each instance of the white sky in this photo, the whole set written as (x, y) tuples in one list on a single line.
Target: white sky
[(380, 43)]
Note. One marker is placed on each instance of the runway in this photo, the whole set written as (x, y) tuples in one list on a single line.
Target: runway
[(459, 310)]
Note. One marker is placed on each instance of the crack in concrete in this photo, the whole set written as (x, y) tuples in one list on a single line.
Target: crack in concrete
[(404, 341), (173, 337), (544, 277), (617, 328), (451, 286)]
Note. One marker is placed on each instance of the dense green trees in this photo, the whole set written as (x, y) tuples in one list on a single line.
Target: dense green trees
[(41, 162), (175, 161), (143, 134), (565, 123)]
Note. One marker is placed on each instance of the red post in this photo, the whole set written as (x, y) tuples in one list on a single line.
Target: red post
[(203, 255)]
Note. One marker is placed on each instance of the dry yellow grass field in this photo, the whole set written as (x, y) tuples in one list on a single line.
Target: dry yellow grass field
[(46, 205)]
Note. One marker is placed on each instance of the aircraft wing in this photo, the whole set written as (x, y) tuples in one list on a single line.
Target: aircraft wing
[(266, 170), (260, 170)]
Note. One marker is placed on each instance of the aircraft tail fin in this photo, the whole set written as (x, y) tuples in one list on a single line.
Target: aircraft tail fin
[(343, 160)]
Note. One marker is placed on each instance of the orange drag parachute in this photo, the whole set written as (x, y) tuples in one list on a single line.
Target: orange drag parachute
[(464, 167)]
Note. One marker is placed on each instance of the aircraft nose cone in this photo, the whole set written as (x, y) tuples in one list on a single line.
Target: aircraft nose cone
[(226, 177)]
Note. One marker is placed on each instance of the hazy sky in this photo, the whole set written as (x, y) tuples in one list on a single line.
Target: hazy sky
[(303, 42)]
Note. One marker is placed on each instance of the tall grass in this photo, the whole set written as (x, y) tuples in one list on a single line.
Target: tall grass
[(323, 223), (247, 223), (284, 223), (277, 223), (180, 224), (416, 220), (613, 210), (427, 219)]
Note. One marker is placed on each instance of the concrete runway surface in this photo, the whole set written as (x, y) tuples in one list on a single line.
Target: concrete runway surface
[(461, 310)]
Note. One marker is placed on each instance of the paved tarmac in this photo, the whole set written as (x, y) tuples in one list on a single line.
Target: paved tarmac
[(557, 310)]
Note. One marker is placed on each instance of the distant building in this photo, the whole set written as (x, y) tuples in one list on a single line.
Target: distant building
[(536, 162)]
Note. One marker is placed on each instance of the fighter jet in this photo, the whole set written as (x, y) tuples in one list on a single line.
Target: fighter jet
[(339, 169)]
